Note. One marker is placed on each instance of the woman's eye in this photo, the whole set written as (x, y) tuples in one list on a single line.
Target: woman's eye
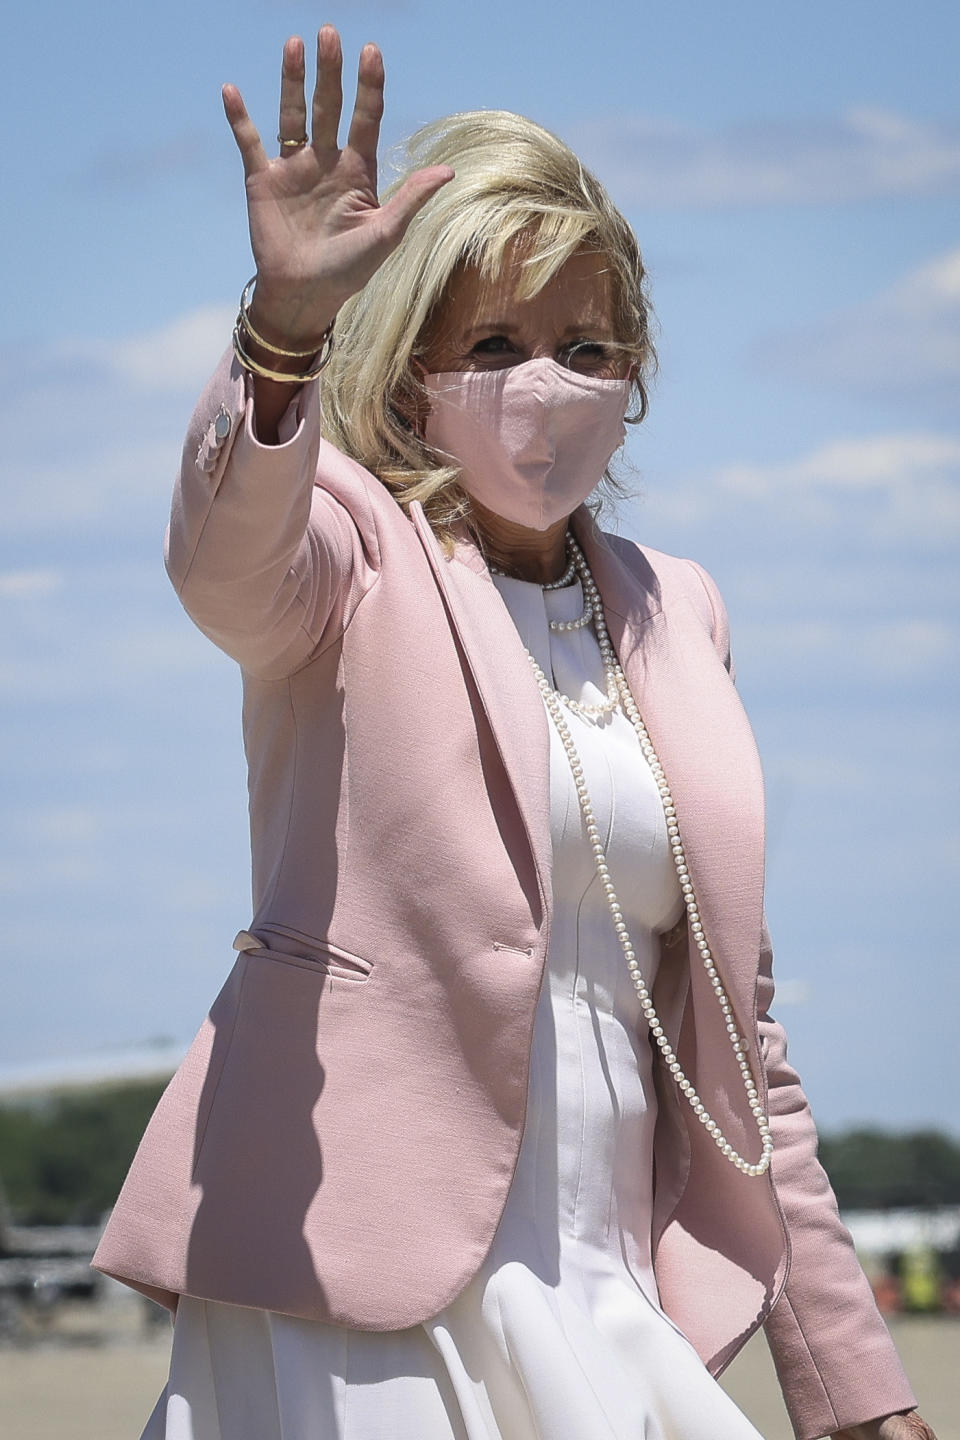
[(492, 345), (589, 352)]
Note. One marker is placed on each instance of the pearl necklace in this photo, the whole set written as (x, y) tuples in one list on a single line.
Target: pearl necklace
[(603, 707), (618, 692), (567, 578)]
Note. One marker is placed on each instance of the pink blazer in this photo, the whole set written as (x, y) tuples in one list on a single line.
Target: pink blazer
[(340, 1139)]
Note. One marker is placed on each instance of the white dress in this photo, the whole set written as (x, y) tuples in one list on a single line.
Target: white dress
[(560, 1335)]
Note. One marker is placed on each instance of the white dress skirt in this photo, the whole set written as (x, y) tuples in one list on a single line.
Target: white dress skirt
[(560, 1334)]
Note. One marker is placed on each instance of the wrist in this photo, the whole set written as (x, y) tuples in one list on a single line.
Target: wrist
[(270, 360), (281, 364), (242, 340), (289, 322)]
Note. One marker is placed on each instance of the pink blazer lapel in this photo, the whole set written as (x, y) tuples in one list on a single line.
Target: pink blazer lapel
[(692, 712), (703, 738), (504, 682)]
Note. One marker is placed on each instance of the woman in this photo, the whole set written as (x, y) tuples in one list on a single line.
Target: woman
[(476, 1140)]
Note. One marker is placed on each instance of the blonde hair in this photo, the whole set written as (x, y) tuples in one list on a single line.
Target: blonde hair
[(514, 181)]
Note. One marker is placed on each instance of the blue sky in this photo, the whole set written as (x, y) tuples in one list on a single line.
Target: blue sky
[(793, 173)]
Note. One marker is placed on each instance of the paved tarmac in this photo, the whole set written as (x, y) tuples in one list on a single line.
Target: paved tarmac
[(95, 1372)]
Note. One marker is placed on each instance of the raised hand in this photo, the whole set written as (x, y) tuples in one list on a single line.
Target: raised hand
[(317, 228)]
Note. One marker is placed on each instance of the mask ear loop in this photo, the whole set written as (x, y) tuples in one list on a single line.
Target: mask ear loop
[(633, 375)]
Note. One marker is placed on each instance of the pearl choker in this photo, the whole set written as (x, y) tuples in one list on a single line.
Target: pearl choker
[(567, 578), (618, 693)]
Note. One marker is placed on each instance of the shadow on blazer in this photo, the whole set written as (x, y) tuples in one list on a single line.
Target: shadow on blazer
[(340, 1139)]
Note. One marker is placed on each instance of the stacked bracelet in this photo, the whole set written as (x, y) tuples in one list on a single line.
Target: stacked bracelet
[(244, 327)]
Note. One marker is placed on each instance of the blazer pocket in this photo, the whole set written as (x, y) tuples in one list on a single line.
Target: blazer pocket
[(292, 947)]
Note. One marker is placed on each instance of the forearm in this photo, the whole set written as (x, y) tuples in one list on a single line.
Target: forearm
[(288, 350), (271, 401), (835, 1360), (834, 1356), (250, 568)]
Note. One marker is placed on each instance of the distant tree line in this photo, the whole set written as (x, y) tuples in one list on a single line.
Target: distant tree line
[(63, 1160), (874, 1169)]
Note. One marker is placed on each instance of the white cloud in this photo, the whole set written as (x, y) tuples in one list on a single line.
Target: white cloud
[(861, 153), (791, 992), (899, 490), (29, 584), (887, 649), (177, 356), (59, 847), (873, 462), (122, 484), (60, 875), (812, 770), (63, 825), (111, 414), (905, 339), (103, 655), (892, 489)]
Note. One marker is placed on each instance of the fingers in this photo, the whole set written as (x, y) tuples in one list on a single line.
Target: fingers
[(293, 106), (413, 194), (244, 131), (326, 111), (328, 92), (368, 109)]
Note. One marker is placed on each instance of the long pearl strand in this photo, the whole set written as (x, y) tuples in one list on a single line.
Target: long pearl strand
[(619, 693)]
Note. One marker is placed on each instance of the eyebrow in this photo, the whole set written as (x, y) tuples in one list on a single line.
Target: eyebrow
[(506, 328), (503, 325)]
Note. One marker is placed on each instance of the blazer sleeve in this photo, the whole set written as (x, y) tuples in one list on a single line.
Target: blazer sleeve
[(267, 560), (835, 1360)]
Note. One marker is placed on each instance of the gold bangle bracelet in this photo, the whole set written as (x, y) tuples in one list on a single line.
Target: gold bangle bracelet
[(244, 319), (254, 366)]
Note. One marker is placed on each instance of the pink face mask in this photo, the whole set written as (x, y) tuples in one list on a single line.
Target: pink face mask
[(531, 440)]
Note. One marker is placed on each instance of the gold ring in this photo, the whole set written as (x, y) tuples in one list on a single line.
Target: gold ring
[(293, 144)]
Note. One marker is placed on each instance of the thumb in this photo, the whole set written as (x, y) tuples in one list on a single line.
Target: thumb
[(413, 194)]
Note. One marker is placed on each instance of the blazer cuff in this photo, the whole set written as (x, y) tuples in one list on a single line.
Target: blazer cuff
[(304, 408), (868, 1384)]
